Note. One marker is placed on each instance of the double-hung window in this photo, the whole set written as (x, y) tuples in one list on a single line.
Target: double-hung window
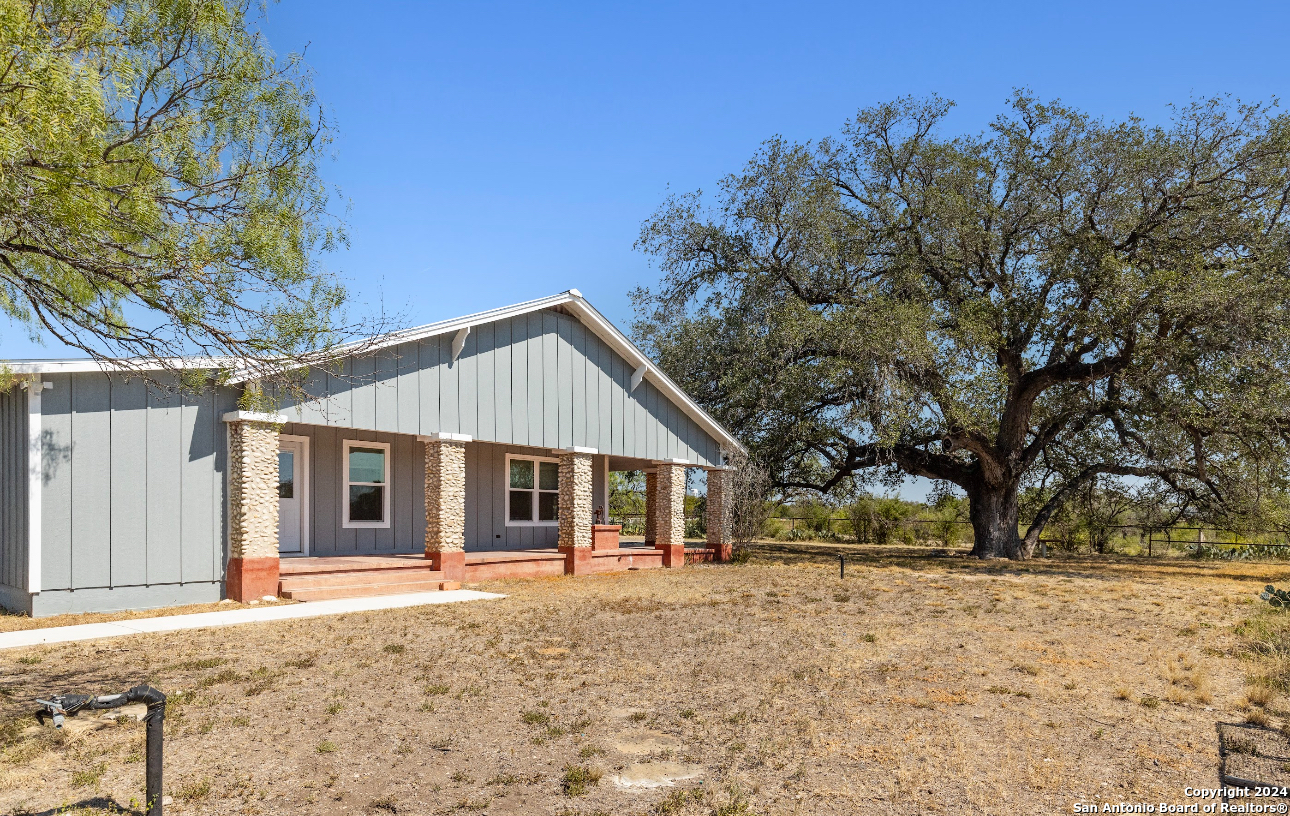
[(367, 484), (533, 490)]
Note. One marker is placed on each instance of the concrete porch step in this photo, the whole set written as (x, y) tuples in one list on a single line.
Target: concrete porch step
[(366, 590), (356, 577)]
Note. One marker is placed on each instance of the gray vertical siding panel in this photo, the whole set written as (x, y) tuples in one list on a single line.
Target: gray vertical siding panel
[(428, 384), (468, 385), (449, 387), (386, 387), (536, 372), (56, 493), (91, 481), (551, 395), (502, 398), (401, 495), (605, 441), (128, 477), (164, 488), (13, 486), (484, 392), (325, 501), (476, 484), (340, 400), (619, 437), (364, 391), (197, 465), (564, 380), (591, 389), (313, 411), (577, 356), (409, 388), (520, 380)]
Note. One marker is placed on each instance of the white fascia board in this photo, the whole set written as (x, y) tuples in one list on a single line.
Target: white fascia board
[(256, 416), (440, 436), (87, 366), (580, 449)]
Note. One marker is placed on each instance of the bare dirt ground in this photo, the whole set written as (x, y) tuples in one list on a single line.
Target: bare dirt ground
[(917, 684)]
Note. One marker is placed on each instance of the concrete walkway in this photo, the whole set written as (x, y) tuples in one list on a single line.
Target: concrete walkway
[(204, 620)]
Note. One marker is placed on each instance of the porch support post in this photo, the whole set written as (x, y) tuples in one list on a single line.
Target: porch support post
[(718, 521), (446, 503), (669, 513), (253, 505), (651, 501), (575, 509)]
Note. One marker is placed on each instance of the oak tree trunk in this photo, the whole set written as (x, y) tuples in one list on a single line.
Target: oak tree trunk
[(993, 511)]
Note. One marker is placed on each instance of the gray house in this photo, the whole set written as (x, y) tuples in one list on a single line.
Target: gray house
[(468, 449)]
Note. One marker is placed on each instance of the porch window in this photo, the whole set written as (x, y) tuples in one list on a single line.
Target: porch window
[(533, 492), (367, 484)]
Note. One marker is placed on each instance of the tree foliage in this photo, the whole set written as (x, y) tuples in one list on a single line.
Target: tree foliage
[(159, 182), (1058, 299)]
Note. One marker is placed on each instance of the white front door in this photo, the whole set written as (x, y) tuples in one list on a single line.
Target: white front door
[(292, 470)]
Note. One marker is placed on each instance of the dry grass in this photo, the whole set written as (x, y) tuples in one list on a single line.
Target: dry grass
[(916, 684)]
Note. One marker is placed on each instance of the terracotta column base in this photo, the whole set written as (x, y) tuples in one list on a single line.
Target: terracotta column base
[(577, 560), (722, 552), (605, 536), (452, 564), (250, 579), (673, 554)]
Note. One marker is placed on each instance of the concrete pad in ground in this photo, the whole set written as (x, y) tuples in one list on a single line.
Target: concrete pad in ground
[(646, 775)]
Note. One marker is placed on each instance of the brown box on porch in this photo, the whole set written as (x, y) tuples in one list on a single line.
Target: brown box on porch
[(605, 536)]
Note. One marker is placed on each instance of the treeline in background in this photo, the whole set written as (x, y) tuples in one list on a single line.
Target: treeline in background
[(1105, 519)]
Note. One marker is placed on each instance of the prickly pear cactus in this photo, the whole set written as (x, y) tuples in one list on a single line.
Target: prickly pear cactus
[(1276, 598)]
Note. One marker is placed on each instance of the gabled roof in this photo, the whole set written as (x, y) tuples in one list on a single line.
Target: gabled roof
[(572, 300)]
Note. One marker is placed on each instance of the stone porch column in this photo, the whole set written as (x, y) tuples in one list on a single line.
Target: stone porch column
[(651, 494), (253, 505), (575, 509), (718, 520), (446, 503), (669, 513)]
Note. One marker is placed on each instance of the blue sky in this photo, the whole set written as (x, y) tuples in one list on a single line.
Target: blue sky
[(491, 153)]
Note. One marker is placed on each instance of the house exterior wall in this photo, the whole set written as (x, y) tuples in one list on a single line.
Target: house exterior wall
[(486, 486), (541, 379), (13, 497), (134, 496), (327, 533)]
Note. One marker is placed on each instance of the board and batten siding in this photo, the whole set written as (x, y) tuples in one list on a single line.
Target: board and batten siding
[(541, 379), (486, 486), (13, 497), (327, 499), (133, 497)]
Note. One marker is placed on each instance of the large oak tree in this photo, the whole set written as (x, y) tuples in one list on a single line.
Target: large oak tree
[(1056, 300)]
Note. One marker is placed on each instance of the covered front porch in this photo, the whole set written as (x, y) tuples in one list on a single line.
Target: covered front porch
[(323, 512)]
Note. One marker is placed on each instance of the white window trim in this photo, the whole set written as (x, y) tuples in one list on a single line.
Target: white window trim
[(345, 483), (301, 478), (507, 476)]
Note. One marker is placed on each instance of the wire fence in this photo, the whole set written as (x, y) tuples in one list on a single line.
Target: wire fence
[(1116, 539)]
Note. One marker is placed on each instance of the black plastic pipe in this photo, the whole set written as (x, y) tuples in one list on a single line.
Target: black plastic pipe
[(69, 704)]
